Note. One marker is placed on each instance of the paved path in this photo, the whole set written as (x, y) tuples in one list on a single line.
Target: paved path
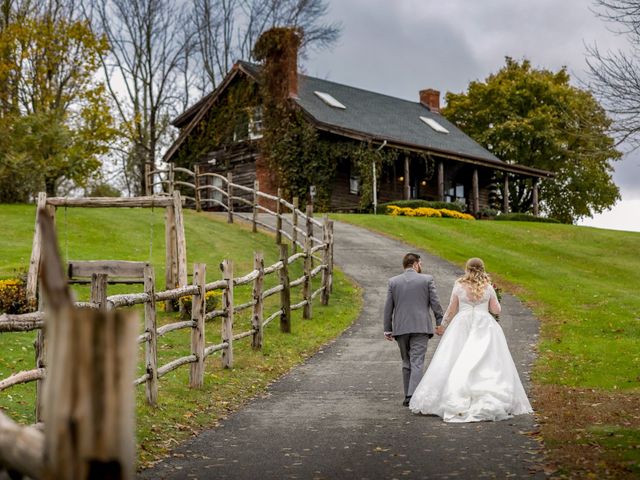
[(340, 416)]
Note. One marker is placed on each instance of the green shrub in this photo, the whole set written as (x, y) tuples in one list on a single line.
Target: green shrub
[(524, 217), (13, 296), (382, 208)]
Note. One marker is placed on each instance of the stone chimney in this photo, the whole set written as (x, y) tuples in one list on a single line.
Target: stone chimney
[(430, 98), (278, 49)]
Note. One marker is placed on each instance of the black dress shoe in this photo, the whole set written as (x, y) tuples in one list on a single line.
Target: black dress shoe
[(406, 401)]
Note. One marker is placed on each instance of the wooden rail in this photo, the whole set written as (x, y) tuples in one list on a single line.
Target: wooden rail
[(143, 273)]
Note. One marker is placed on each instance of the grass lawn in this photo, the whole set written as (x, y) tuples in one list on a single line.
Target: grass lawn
[(583, 284), (138, 234)]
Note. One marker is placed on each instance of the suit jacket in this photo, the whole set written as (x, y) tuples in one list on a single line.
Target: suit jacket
[(410, 296)]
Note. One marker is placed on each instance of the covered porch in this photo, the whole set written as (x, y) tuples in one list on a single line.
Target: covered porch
[(442, 178)]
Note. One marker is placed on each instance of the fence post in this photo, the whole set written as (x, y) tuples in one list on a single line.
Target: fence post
[(229, 199), (36, 249), (171, 177), (171, 254), (196, 184), (256, 317), (330, 256), (151, 346), (306, 286), (324, 298), (99, 290), (89, 419), (40, 351), (198, 310), (310, 226), (294, 223), (279, 218), (256, 199), (227, 305), (148, 179), (285, 294), (181, 241)]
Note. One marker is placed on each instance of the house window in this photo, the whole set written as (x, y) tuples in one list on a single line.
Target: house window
[(455, 193), (434, 125), (255, 123), (329, 100), (354, 185)]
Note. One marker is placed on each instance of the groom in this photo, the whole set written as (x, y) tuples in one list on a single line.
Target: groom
[(408, 321)]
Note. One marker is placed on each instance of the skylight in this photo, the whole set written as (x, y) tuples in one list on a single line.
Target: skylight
[(329, 100), (435, 125)]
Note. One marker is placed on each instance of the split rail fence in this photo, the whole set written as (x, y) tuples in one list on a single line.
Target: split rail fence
[(311, 248), (238, 201)]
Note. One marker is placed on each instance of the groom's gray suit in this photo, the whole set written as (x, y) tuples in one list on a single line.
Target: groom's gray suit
[(406, 315)]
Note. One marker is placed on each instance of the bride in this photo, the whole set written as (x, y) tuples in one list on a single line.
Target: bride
[(472, 376)]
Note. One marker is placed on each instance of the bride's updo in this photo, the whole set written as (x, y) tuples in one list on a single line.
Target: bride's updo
[(475, 277)]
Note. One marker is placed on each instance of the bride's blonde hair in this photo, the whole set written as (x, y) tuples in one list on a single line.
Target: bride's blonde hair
[(475, 277)]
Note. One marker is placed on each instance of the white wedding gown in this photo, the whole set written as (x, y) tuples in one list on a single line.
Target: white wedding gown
[(471, 377)]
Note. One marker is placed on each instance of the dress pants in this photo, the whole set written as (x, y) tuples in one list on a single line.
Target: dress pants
[(413, 347)]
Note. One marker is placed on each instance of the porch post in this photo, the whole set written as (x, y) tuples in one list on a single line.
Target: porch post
[(534, 198), (475, 192), (505, 194), (407, 185), (441, 180)]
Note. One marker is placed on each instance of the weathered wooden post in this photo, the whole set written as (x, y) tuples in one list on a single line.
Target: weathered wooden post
[(227, 305), (306, 285), (171, 253), (324, 298), (196, 187), (198, 311), (181, 241), (148, 180), (36, 249), (39, 346), (294, 223), (285, 293), (229, 199), (256, 200), (89, 419), (171, 178), (256, 317), (310, 228), (279, 218), (151, 346), (330, 256), (99, 290)]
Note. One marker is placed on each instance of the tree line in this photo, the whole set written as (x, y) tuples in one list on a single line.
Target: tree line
[(88, 88)]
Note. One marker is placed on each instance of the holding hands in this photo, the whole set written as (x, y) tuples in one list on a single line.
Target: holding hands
[(440, 329)]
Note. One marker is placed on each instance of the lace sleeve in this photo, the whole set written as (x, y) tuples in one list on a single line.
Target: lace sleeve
[(454, 304), (494, 304)]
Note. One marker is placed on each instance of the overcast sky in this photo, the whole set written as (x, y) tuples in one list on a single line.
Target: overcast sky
[(399, 47)]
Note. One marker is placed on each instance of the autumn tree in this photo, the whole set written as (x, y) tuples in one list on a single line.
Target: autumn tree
[(53, 113), (535, 117)]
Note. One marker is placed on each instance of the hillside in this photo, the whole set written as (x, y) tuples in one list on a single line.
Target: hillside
[(137, 234)]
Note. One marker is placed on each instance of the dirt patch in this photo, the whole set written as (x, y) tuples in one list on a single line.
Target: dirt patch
[(581, 428)]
